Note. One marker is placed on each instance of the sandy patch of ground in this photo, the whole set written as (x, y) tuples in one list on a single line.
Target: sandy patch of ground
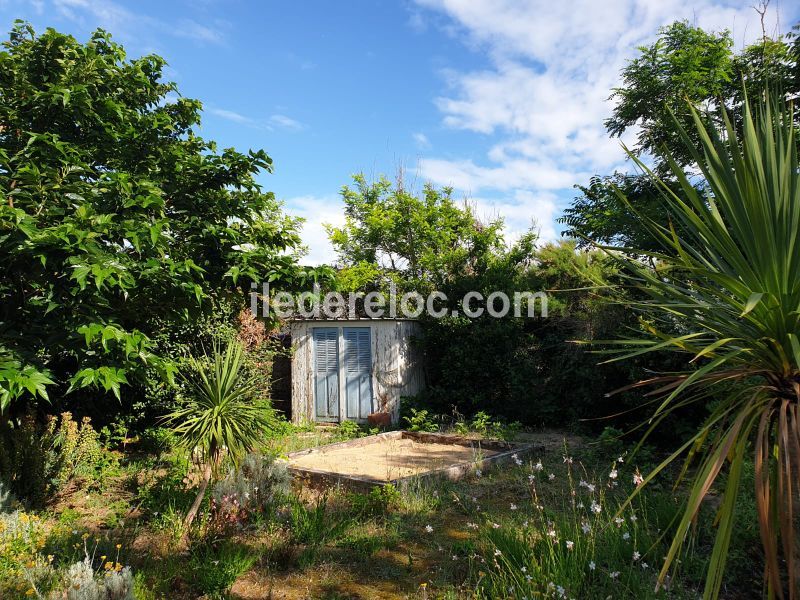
[(388, 459)]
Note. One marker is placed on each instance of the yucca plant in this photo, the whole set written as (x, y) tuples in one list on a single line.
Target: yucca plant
[(220, 414), (729, 285)]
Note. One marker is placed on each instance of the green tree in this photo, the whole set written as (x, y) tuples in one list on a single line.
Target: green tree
[(729, 284), (114, 212), (220, 414), (418, 241), (684, 63)]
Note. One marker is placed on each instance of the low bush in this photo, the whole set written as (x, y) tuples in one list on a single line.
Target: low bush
[(251, 491), (37, 462), (214, 568)]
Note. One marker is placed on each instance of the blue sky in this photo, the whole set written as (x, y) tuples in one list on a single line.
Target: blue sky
[(502, 100)]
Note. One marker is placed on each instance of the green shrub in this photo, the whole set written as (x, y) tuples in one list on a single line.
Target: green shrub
[(157, 440), (250, 491), (420, 420), (39, 461)]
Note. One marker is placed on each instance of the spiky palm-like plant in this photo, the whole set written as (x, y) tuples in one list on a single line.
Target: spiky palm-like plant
[(729, 283), (220, 414)]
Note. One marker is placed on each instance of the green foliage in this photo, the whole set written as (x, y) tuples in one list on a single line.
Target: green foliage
[(420, 420), (215, 568), (39, 461), (115, 216), (252, 491), (349, 430), (315, 525), (418, 242), (685, 62), (222, 412), (729, 281), (157, 440)]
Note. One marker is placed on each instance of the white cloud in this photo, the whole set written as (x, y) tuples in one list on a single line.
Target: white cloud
[(317, 212), (544, 96), (286, 122), (128, 24), (230, 115), (421, 140), (271, 123)]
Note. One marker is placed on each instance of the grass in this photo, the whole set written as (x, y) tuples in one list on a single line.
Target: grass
[(476, 538)]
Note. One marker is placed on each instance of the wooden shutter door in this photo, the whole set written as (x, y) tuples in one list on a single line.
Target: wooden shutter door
[(326, 373), (358, 372)]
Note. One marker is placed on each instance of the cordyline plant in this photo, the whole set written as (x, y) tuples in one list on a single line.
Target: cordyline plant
[(219, 416), (729, 284)]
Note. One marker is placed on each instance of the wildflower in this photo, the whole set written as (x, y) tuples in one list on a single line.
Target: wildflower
[(478, 472), (561, 591), (531, 478), (614, 575), (619, 521), (590, 488), (637, 478), (455, 557), (633, 518), (497, 552), (591, 565), (524, 569), (30, 592), (428, 528), (596, 508), (525, 524), (580, 504), (585, 527), (119, 546), (513, 506), (626, 536), (538, 466), (645, 565), (471, 526), (551, 532), (528, 578), (570, 545), (636, 555), (551, 476), (613, 474), (619, 460), (568, 460), (495, 526)]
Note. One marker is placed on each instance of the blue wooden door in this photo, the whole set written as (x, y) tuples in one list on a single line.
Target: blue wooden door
[(358, 372), (326, 373)]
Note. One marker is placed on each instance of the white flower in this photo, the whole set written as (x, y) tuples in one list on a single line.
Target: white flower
[(585, 527), (637, 478), (551, 476), (428, 528), (645, 565), (528, 577), (590, 487), (626, 536), (513, 506), (551, 533), (538, 466), (620, 460), (614, 575), (478, 472), (561, 591), (455, 557), (591, 565), (568, 460), (619, 521), (580, 504), (596, 508), (524, 569), (497, 552), (471, 526), (633, 518), (613, 474), (531, 478), (570, 545), (495, 526), (636, 555), (525, 524)]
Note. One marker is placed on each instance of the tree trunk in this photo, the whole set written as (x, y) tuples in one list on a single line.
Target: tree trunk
[(201, 492)]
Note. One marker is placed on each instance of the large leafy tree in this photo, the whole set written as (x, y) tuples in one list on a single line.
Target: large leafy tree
[(419, 241), (684, 63), (725, 293), (114, 212)]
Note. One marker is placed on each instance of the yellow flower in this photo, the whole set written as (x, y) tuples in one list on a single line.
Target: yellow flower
[(102, 558), (109, 565), (30, 592), (30, 564), (119, 546)]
